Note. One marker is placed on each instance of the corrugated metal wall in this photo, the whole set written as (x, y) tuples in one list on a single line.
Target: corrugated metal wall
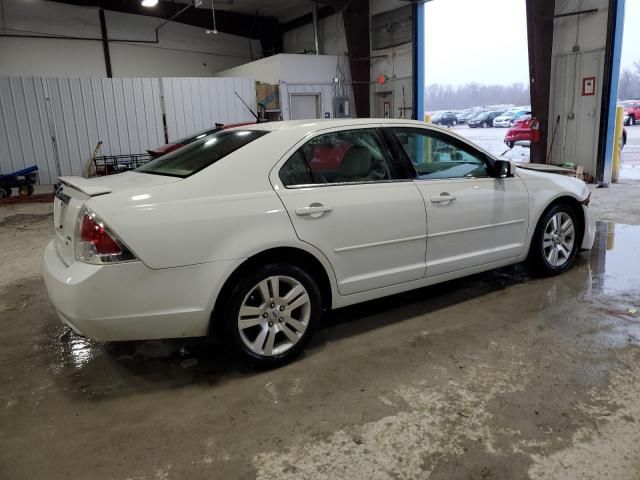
[(193, 104), (46, 121)]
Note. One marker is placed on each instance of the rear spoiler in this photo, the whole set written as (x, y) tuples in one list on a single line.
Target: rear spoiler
[(85, 185)]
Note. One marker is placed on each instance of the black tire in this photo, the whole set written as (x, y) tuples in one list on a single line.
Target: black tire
[(632, 120), (485, 124), (5, 192), (510, 144), (245, 285), (627, 121), (25, 190), (537, 260)]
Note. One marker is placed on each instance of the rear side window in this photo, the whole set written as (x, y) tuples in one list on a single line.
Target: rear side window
[(347, 156), (200, 154)]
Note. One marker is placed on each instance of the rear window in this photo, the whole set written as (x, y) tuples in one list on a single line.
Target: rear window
[(200, 154)]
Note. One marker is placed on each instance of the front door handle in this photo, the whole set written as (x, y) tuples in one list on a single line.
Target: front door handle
[(314, 210), (444, 197)]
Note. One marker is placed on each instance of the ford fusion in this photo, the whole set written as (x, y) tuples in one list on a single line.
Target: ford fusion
[(250, 233)]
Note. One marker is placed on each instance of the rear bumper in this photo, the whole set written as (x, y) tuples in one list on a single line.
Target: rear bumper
[(130, 301)]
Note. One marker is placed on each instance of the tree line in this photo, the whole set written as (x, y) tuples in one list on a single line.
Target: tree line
[(629, 83), (457, 97)]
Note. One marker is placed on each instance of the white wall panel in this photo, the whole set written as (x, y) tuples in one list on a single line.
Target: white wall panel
[(24, 131), (42, 117), (327, 92), (194, 104)]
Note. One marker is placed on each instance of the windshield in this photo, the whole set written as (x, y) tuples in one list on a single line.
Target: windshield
[(200, 154)]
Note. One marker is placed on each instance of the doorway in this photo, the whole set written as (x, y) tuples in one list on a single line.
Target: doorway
[(384, 104), (304, 106)]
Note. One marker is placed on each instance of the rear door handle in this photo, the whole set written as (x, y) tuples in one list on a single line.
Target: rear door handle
[(313, 210), (443, 198)]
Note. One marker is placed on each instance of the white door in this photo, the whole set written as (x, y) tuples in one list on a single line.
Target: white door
[(347, 198), (575, 117), (472, 218), (304, 106)]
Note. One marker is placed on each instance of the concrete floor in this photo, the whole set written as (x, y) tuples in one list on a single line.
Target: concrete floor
[(495, 376)]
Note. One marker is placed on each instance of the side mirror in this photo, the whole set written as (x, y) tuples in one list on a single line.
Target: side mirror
[(502, 169)]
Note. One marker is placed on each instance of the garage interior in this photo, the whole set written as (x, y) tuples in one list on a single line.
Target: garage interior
[(499, 375)]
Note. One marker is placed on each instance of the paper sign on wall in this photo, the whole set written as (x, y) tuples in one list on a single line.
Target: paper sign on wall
[(588, 86)]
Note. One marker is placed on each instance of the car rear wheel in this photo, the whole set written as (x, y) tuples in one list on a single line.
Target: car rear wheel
[(271, 314), (5, 192), (485, 124), (454, 123), (510, 144), (555, 242)]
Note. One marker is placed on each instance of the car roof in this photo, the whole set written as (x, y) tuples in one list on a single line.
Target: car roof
[(322, 124)]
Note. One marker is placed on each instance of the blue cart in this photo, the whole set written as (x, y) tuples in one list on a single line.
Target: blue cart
[(23, 180)]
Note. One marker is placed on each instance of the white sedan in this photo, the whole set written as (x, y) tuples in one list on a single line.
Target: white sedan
[(250, 233)]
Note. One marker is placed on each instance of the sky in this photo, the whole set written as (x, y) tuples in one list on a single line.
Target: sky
[(477, 41), (486, 41), (631, 34)]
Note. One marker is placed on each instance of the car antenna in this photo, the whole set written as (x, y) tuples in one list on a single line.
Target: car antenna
[(248, 107)]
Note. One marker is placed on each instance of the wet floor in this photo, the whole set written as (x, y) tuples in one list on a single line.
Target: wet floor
[(494, 376)]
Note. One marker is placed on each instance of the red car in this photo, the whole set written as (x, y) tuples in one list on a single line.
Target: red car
[(631, 111), (520, 131), (181, 142)]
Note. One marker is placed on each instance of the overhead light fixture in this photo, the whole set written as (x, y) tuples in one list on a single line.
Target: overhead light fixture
[(149, 3)]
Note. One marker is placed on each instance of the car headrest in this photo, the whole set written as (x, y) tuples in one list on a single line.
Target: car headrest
[(356, 163)]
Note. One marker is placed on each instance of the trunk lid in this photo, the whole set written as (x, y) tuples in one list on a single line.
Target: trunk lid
[(74, 192)]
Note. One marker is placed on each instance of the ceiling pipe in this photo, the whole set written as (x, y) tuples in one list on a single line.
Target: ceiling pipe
[(314, 13)]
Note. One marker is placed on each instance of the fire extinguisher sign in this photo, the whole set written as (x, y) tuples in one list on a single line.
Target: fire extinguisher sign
[(588, 86)]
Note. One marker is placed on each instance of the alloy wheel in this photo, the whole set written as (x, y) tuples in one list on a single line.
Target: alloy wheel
[(274, 315), (558, 239)]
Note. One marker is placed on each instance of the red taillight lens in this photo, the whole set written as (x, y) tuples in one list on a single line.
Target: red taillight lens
[(96, 243), (94, 232)]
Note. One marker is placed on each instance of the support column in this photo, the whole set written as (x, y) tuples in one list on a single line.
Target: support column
[(540, 39), (419, 60), (105, 44), (615, 27)]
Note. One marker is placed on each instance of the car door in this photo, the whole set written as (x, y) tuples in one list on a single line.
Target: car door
[(472, 218), (346, 197)]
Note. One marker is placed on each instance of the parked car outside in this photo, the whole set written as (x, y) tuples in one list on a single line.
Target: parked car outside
[(631, 111), (238, 236), (445, 118), (508, 118), (484, 120), (521, 131)]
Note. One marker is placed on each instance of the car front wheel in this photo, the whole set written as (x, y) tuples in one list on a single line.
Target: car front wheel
[(485, 124), (555, 242), (271, 314)]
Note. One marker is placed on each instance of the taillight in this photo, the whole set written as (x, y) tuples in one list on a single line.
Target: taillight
[(96, 243)]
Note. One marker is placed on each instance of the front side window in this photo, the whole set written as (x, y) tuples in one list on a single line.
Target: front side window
[(348, 156), (200, 154), (434, 156)]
